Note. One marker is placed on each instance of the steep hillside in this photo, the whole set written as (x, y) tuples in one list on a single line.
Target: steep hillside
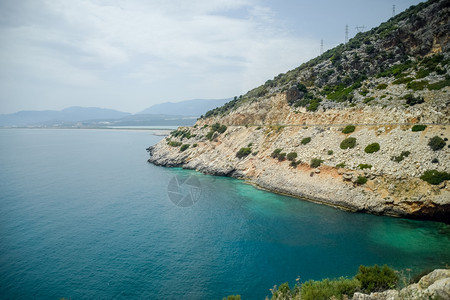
[(291, 135)]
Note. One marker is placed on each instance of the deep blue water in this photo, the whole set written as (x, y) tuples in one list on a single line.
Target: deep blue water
[(83, 216)]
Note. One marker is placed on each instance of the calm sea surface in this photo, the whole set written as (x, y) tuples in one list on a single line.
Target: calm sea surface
[(84, 216)]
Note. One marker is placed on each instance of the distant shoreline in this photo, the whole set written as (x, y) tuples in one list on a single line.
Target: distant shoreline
[(158, 131)]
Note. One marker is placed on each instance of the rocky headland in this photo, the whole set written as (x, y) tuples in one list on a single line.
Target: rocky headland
[(364, 127)]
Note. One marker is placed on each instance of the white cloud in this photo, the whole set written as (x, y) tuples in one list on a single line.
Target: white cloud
[(221, 47)]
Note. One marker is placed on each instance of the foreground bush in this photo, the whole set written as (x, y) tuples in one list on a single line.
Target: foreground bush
[(325, 289), (315, 162), (435, 177), (291, 156), (348, 143), (306, 140), (184, 147), (375, 279)]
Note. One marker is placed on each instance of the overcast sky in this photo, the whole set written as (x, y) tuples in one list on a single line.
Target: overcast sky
[(131, 54)]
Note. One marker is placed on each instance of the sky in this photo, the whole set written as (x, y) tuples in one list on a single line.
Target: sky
[(131, 54)]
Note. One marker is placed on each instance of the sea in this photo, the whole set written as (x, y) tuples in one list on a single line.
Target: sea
[(83, 215)]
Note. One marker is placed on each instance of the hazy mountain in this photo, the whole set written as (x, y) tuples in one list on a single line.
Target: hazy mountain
[(51, 117), (195, 107)]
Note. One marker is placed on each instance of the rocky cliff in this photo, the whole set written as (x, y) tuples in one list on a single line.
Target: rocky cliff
[(291, 135)]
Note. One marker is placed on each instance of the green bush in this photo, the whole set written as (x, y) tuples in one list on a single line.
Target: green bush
[(411, 100), (282, 156), (439, 85), (294, 163), (418, 128), (330, 152), (243, 152), (305, 141), (195, 145), (210, 134), (368, 99), (291, 156), (361, 180), (315, 162), (436, 143), (348, 143), (375, 147), (327, 289), (341, 165), (175, 144), (401, 156), (348, 129), (417, 85), (403, 80), (276, 152), (222, 129), (375, 279), (184, 147), (382, 86), (435, 177), (364, 166)]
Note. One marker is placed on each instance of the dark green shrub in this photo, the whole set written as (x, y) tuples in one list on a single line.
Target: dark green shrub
[(418, 127), (294, 163), (361, 180), (435, 161), (209, 135), (403, 80), (175, 144), (305, 141), (435, 177), (341, 165), (375, 279), (368, 99), (328, 289), (184, 147), (411, 100), (439, 85), (375, 147), (315, 162), (330, 152), (364, 166), (291, 156), (222, 129), (401, 156), (276, 152), (215, 127), (348, 143), (382, 86), (348, 129), (195, 145), (282, 156), (436, 143), (417, 85), (243, 152)]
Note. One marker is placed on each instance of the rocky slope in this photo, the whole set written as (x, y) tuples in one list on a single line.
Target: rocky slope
[(383, 82)]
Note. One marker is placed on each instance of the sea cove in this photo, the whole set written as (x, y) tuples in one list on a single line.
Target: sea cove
[(83, 215)]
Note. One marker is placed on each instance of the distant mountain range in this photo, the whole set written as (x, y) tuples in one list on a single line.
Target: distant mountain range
[(172, 114), (195, 107)]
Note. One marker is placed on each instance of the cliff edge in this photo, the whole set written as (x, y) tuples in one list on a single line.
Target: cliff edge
[(364, 127)]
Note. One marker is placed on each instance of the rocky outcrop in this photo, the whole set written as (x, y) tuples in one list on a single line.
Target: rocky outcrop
[(435, 285), (383, 82)]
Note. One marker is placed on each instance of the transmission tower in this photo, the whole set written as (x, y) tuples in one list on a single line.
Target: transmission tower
[(360, 28), (393, 10), (321, 47), (346, 33)]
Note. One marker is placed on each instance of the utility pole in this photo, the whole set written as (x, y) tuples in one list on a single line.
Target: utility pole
[(360, 28), (393, 10), (346, 33), (321, 47)]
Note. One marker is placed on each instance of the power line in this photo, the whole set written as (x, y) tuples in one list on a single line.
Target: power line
[(321, 47)]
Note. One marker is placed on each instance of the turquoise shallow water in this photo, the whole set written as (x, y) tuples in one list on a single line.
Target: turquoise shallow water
[(82, 216)]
